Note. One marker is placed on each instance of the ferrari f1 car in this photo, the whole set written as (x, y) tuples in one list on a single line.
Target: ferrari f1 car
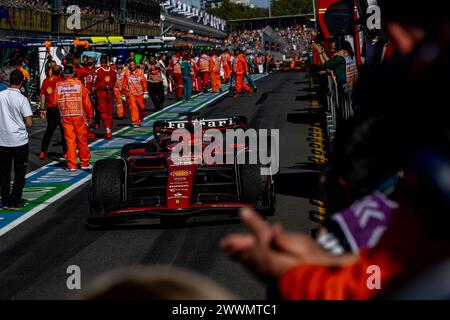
[(148, 182)]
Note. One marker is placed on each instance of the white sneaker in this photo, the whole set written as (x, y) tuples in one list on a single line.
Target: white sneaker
[(71, 170), (89, 167)]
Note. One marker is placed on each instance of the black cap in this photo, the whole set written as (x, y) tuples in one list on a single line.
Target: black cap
[(68, 70), (119, 61)]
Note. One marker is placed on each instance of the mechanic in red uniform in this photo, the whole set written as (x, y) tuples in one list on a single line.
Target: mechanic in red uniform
[(204, 67), (104, 82), (50, 111), (175, 73)]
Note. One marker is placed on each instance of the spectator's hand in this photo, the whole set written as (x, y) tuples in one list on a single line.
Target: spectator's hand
[(269, 251), (256, 250), (43, 114)]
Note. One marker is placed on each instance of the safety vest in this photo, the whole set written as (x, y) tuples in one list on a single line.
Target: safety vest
[(69, 97), (176, 64), (204, 63), (216, 61), (239, 64), (134, 82), (155, 75)]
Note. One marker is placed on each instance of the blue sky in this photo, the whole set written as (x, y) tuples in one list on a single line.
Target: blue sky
[(259, 3)]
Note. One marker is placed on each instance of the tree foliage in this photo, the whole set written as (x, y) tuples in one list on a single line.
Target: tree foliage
[(291, 7), (232, 11)]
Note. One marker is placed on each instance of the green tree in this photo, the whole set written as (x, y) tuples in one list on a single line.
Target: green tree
[(291, 7), (232, 11)]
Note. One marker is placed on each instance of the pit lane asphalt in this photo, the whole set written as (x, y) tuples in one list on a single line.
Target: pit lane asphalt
[(35, 255)]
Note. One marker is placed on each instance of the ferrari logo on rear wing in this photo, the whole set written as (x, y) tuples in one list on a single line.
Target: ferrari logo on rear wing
[(225, 123)]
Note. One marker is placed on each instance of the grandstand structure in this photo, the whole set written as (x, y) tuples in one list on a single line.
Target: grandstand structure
[(28, 18), (190, 25), (274, 22)]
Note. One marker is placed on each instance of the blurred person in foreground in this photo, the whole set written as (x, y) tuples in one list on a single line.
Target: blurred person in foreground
[(15, 116), (390, 136), (153, 283)]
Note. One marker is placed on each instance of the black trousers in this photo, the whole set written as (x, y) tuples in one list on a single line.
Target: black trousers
[(8, 155), (156, 92), (53, 121)]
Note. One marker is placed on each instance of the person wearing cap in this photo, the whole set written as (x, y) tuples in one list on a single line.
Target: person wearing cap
[(104, 82), (240, 69), (204, 66), (134, 86), (50, 111), (76, 109), (155, 83), (119, 97), (216, 66)]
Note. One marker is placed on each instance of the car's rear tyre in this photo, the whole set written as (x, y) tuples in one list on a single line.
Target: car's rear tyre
[(107, 186)]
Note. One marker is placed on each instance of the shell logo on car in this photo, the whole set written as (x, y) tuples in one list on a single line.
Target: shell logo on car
[(181, 173)]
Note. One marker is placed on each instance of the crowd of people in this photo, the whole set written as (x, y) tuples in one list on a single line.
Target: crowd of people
[(297, 38), (246, 39), (81, 94), (28, 4), (385, 186), (191, 36)]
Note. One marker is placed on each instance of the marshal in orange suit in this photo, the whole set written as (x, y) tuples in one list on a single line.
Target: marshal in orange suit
[(75, 106)]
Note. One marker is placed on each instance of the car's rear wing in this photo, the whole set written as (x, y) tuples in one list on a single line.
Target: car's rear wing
[(169, 126)]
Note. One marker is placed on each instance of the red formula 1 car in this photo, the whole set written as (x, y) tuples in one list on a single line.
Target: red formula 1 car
[(148, 182)]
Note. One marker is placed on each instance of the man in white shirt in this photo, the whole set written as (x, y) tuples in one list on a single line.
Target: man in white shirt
[(15, 116)]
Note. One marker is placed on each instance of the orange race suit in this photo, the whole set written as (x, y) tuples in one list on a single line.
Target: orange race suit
[(216, 64), (134, 86), (75, 106), (120, 103), (226, 62), (204, 67), (240, 69), (104, 81), (175, 72)]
